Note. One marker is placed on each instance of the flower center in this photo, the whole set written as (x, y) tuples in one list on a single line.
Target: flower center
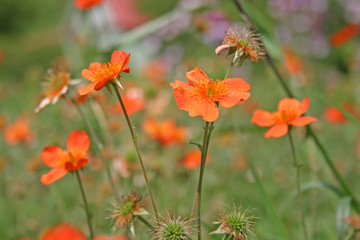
[(106, 72), (212, 90), (285, 115)]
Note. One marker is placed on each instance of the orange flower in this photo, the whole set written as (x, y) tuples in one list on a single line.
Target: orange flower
[(63, 161), (100, 74), (55, 86), (345, 34), (61, 232), (105, 237), (192, 160), (86, 4), (202, 95), (293, 63), (166, 132), (18, 132), (333, 115), (289, 113), (133, 101)]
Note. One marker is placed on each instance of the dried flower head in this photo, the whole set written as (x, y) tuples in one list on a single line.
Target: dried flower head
[(244, 43), (235, 223), (125, 209), (173, 228), (55, 85)]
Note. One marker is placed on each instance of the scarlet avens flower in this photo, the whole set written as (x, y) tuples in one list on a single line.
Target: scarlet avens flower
[(243, 43), (86, 4), (55, 85), (63, 161), (202, 95), (192, 159), (61, 232), (166, 132), (289, 113), (100, 74), (18, 132), (344, 35)]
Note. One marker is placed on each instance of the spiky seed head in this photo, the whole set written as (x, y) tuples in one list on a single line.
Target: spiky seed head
[(173, 228), (235, 223), (244, 43), (125, 208)]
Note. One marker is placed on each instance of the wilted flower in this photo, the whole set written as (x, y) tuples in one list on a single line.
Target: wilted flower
[(100, 74), (173, 228), (202, 95), (244, 43), (55, 85), (125, 209), (235, 223)]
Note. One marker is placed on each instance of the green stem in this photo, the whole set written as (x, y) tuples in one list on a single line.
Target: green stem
[(134, 138), (297, 167), (197, 201), (98, 146), (144, 221), (283, 83), (86, 207)]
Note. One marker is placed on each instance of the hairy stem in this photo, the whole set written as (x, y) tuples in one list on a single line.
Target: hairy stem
[(86, 206), (98, 146), (297, 167), (134, 138)]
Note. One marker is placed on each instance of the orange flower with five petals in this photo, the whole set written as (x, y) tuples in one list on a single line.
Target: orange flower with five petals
[(289, 113), (100, 74), (201, 96), (63, 161)]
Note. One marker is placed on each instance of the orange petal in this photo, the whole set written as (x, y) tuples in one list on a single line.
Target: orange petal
[(87, 89), (63, 231), (287, 103), (196, 76), (183, 99), (304, 105), (79, 164), (302, 121), (87, 74), (345, 34), (210, 111), (53, 175), (276, 131), (95, 66), (126, 69), (181, 84), (237, 85), (262, 118), (53, 156), (99, 85), (78, 144)]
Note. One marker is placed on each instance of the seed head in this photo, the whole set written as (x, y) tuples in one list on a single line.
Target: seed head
[(125, 209), (173, 228), (235, 223), (244, 43)]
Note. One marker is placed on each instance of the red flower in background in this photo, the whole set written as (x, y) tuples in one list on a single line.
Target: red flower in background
[(18, 132), (100, 74), (105, 237), (344, 35), (166, 132), (192, 160), (133, 101), (86, 4), (293, 63), (63, 231), (201, 95), (333, 115), (289, 113), (63, 161)]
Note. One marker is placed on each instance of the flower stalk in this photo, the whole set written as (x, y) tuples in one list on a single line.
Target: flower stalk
[(86, 206), (134, 138), (98, 145)]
